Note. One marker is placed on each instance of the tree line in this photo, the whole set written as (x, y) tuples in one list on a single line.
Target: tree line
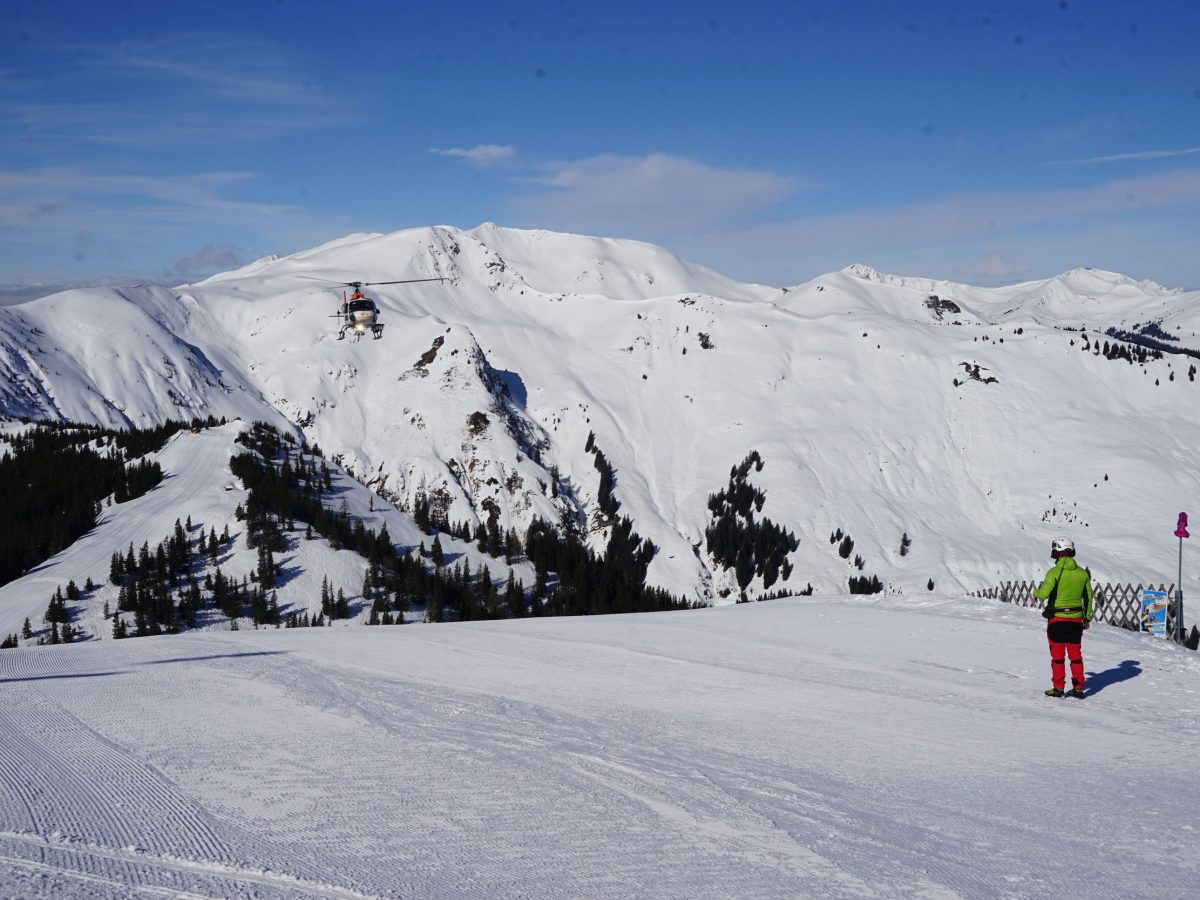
[(54, 478)]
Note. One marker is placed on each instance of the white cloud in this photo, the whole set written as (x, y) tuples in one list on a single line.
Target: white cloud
[(213, 258), (991, 265), (482, 155), (925, 236), (630, 195), (1141, 154), (653, 193)]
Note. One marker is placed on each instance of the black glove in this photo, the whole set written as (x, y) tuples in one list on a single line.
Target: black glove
[(1048, 612)]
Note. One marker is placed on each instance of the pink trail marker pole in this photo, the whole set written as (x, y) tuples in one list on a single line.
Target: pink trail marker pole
[(1180, 532)]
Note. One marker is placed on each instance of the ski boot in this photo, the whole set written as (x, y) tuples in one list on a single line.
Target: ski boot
[(1054, 692)]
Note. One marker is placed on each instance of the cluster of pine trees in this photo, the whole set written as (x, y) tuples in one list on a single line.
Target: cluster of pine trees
[(146, 579), (1131, 354), (571, 580), (1153, 339), (588, 584), (737, 540), (162, 589), (780, 594), (53, 480), (606, 499), (862, 584), (233, 598), (487, 538), (58, 617)]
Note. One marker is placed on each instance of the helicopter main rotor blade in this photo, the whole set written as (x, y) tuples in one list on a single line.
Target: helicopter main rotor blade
[(325, 280), (405, 281)]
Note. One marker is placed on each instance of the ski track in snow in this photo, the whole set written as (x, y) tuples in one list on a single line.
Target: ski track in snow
[(850, 748)]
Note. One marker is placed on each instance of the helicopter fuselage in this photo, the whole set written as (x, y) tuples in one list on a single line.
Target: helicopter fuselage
[(360, 315)]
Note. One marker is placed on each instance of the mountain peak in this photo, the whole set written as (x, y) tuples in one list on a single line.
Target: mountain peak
[(1088, 278), (866, 273)]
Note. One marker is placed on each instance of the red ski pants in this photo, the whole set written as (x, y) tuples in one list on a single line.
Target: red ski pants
[(1065, 637)]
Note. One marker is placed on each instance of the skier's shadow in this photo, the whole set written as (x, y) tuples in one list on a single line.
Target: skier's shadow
[(1098, 681)]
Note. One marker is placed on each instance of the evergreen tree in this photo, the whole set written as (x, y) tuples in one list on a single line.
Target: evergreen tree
[(514, 601), (326, 597), (266, 567)]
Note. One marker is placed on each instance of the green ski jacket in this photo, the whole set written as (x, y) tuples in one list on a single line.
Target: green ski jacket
[(1068, 590)]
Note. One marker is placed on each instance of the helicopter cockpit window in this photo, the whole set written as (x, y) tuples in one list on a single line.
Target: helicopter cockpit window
[(362, 306)]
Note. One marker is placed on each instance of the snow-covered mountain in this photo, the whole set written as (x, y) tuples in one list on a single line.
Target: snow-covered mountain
[(978, 422)]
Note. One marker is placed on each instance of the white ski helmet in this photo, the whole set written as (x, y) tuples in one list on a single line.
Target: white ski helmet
[(1061, 543)]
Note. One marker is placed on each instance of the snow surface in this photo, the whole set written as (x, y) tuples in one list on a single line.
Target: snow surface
[(880, 747), (846, 385)]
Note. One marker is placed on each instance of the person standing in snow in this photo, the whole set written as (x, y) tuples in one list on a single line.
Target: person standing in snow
[(1067, 590)]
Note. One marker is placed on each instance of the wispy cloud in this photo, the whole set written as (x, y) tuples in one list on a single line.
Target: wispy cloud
[(169, 91), (45, 198), (1140, 154), (115, 220), (482, 155)]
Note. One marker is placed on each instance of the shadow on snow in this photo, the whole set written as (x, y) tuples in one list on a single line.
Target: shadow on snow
[(1098, 681)]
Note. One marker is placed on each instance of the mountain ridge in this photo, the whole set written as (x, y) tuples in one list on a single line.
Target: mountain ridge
[(867, 395)]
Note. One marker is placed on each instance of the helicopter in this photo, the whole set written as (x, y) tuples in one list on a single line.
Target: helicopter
[(358, 312)]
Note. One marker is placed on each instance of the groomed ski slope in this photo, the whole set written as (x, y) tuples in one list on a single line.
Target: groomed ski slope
[(857, 747)]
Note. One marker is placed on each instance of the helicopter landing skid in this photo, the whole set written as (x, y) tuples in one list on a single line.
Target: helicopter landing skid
[(376, 332)]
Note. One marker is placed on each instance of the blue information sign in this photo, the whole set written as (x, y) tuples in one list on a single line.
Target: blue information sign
[(1154, 612)]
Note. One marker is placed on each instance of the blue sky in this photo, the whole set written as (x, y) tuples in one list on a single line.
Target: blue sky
[(986, 142)]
